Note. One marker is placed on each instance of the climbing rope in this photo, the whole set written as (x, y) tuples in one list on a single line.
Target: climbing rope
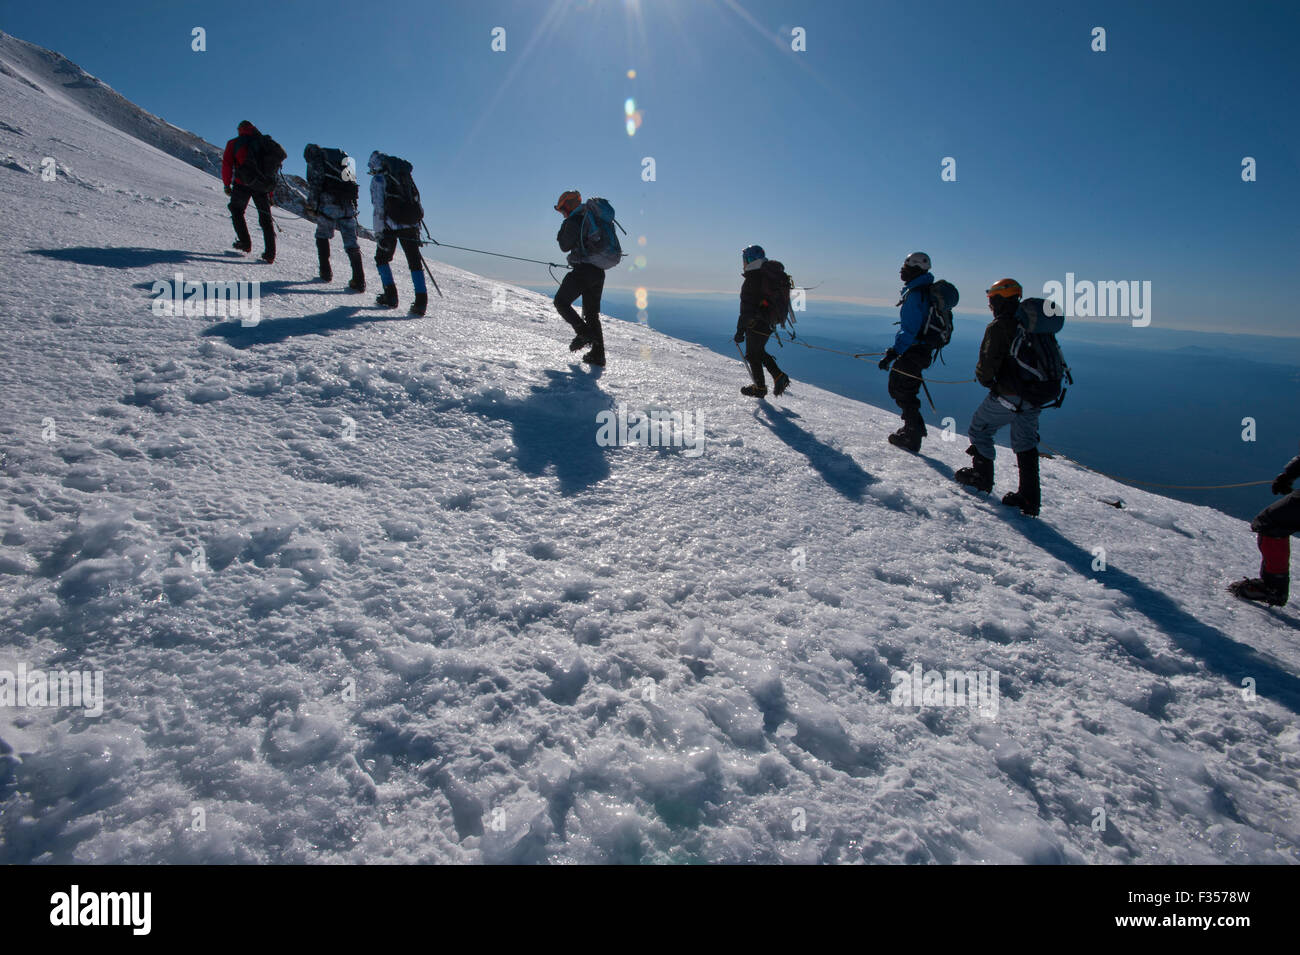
[(1169, 487)]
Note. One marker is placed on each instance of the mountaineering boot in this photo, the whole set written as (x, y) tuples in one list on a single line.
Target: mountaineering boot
[(323, 254), (754, 391), (579, 342), (979, 476), (781, 384), (358, 283), (907, 438), (388, 297), (596, 336), (420, 304), (268, 256), (1271, 589), (243, 245), (1029, 497)]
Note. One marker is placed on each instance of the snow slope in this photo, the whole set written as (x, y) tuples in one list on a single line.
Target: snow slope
[(432, 620)]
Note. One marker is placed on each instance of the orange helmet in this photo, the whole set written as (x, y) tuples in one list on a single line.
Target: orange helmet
[(1005, 288), (568, 201)]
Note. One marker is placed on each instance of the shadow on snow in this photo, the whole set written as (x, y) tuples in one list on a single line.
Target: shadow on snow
[(837, 468)]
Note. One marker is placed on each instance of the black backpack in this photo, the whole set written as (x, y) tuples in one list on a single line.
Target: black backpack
[(261, 166), (1037, 362), (936, 330), (775, 285), (326, 172), (401, 198)]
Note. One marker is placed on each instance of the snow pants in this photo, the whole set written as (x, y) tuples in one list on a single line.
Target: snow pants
[(344, 218), (756, 353), (992, 415), (585, 281), (239, 196), (385, 249), (905, 384)]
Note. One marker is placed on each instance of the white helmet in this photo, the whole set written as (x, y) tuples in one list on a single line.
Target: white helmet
[(918, 259)]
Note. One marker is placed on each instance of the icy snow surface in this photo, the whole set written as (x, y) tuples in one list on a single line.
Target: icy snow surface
[(432, 620)]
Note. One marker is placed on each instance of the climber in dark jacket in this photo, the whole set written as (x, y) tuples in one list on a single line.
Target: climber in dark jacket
[(1003, 406), (755, 326)]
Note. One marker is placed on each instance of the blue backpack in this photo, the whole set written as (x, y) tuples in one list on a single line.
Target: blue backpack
[(1037, 361), (597, 240)]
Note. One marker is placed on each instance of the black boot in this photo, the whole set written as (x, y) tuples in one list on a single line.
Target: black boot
[(323, 254), (754, 391), (420, 304), (579, 342), (979, 476), (595, 335), (358, 283), (388, 297), (1271, 589), (781, 384), (1029, 497)]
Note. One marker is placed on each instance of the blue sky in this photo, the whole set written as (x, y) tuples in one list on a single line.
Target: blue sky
[(1122, 165)]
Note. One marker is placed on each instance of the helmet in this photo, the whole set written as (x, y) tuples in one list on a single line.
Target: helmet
[(918, 259), (752, 257), (311, 153), (1005, 288), (568, 201), (245, 128)]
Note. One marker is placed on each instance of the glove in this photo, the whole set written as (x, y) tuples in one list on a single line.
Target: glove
[(888, 359), (1282, 484), (740, 336), (227, 190)]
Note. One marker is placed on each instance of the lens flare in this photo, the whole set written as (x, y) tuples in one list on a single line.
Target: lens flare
[(642, 299), (633, 116), (642, 316), (631, 74), (641, 241), (640, 261)]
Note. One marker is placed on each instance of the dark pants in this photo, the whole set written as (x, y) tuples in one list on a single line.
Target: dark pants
[(239, 196), (1275, 524), (905, 388), (584, 281), (386, 247), (756, 353)]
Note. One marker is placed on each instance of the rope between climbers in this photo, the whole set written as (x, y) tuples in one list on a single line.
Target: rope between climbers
[(1170, 487)]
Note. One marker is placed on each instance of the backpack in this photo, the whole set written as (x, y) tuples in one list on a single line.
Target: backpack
[(776, 286), (401, 198), (333, 174), (936, 330), (1037, 361), (261, 166), (597, 240)]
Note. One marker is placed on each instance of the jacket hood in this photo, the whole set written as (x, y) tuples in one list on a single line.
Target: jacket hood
[(375, 164), (247, 129)]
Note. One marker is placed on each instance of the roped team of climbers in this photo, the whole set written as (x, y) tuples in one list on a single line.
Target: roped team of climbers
[(1020, 361)]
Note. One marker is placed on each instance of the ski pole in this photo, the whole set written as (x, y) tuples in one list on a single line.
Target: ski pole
[(927, 396), (744, 362), (430, 271)]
